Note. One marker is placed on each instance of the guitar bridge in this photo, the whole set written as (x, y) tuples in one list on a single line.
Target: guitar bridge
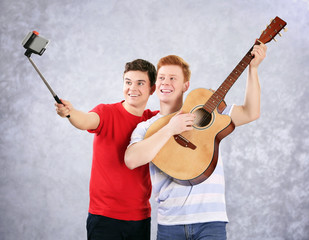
[(184, 142)]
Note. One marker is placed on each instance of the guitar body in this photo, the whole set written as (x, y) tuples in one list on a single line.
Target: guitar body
[(192, 166)]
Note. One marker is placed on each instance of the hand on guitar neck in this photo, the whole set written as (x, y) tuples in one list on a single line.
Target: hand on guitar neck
[(259, 53), (250, 110)]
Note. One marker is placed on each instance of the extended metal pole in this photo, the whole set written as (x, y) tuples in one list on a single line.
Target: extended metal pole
[(42, 77), (46, 83)]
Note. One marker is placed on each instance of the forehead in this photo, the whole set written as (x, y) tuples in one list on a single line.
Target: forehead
[(136, 76), (170, 70)]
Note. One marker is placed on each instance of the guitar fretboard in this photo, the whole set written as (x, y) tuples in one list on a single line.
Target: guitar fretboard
[(219, 95)]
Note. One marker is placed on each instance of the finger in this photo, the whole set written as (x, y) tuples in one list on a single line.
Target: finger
[(64, 102), (190, 115), (188, 128), (262, 45), (190, 121), (188, 118), (256, 51), (60, 108), (260, 52), (191, 118), (58, 105), (190, 125), (259, 41)]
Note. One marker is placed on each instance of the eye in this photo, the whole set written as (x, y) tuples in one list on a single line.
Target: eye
[(128, 83), (141, 83)]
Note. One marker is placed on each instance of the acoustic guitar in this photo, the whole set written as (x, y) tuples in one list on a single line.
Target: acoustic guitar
[(191, 157)]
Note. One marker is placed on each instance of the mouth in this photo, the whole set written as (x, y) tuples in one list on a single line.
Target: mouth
[(133, 95), (166, 91)]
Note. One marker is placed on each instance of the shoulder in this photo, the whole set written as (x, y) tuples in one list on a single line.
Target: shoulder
[(106, 113), (149, 114), (146, 124), (106, 107), (141, 129)]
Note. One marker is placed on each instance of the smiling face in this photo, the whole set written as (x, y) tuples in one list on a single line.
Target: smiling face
[(170, 84), (136, 90)]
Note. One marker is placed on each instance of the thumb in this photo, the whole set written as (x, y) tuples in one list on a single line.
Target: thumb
[(64, 102)]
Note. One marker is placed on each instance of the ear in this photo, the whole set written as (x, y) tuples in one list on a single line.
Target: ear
[(152, 89), (185, 87)]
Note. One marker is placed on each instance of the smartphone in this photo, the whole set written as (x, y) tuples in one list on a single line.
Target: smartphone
[(34, 43)]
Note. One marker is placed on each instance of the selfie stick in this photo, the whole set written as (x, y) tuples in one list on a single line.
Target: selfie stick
[(36, 44)]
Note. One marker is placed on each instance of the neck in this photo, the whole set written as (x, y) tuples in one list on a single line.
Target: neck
[(134, 110), (168, 108)]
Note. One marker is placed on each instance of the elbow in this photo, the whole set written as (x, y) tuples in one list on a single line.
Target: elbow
[(254, 116), (129, 163), (249, 118)]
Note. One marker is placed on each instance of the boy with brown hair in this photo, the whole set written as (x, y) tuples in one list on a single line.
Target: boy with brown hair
[(119, 204)]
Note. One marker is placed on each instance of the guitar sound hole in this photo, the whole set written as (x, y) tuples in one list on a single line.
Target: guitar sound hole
[(203, 118)]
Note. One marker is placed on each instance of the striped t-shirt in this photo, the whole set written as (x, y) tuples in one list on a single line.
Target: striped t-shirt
[(178, 204)]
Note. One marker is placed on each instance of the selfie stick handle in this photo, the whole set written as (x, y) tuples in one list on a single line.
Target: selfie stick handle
[(46, 83)]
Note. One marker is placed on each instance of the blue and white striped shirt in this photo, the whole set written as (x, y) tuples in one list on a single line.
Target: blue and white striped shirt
[(178, 204)]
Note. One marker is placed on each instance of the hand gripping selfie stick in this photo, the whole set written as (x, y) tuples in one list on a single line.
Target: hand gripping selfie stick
[(37, 45)]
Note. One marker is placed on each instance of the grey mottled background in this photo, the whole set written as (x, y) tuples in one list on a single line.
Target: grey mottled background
[(45, 162)]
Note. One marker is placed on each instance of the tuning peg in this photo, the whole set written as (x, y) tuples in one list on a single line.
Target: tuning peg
[(280, 34), (275, 39), (285, 29), (271, 19)]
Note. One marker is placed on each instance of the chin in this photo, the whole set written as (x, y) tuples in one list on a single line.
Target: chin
[(134, 102), (165, 98)]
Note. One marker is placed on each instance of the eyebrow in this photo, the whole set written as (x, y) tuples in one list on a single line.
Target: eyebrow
[(162, 74), (140, 80)]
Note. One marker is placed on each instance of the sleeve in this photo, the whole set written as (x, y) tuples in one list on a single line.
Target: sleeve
[(139, 133), (228, 110), (99, 110)]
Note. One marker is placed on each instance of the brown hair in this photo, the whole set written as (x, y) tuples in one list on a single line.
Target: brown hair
[(143, 66), (175, 60)]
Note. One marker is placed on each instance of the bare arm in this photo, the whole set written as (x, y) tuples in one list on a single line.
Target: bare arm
[(79, 119), (250, 110), (143, 152)]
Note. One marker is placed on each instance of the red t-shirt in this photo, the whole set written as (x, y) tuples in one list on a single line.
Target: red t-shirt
[(115, 190)]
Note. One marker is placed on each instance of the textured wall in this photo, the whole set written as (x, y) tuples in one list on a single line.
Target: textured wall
[(45, 162)]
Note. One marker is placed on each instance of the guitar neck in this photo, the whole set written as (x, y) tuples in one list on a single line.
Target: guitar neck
[(219, 95)]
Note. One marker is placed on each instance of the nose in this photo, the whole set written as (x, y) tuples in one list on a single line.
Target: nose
[(133, 86), (166, 81)]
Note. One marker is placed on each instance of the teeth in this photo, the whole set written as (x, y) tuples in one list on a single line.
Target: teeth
[(132, 95), (166, 91)]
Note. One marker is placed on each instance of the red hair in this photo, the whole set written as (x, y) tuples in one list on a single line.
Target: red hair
[(175, 60)]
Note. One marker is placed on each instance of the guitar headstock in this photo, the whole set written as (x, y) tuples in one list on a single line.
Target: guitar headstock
[(272, 30)]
